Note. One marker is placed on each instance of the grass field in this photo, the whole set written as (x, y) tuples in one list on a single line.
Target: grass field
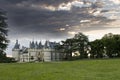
[(73, 70)]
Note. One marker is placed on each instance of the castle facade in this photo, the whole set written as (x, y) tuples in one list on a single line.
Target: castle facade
[(36, 52)]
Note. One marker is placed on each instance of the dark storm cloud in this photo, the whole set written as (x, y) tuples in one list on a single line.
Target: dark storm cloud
[(31, 16), (47, 2)]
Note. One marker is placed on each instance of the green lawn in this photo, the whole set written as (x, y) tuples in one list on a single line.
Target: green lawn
[(73, 70)]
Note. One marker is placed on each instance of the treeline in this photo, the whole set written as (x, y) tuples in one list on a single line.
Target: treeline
[(79, 47)]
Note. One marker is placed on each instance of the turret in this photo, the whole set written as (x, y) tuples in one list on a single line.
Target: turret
[(16, 51), (32, 45), (17, 46), (36, 45), (47, 45), (40, 45)]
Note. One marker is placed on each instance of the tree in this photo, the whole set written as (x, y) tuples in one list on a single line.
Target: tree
[(81, 44), (3, 35), (112, 44), (97, 49), (67, 48), (117, 44), (78, 43)]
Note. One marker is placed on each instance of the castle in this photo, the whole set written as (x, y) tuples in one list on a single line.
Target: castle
[(36, 52)]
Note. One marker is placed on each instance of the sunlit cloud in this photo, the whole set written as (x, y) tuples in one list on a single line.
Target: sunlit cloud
[(64, 6), (83, 21), (51, 8), (116, 1), (62, 29), (71, 32)]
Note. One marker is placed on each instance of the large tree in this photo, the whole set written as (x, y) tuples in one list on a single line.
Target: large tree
[(112, 44), (97, 49), (67, 48), (3, 35), (81, 44), (78, 43)]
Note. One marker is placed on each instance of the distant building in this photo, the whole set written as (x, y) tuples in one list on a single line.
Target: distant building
[(36, 52)]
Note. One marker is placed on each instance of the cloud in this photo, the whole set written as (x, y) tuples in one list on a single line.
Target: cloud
[(72, 32), (116, 1), (53, 18), (83, 21), (62, 29)]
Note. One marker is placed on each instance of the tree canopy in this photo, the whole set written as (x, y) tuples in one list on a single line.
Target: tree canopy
[(112, 44), (108, 46), (3, 35), (78, 43)]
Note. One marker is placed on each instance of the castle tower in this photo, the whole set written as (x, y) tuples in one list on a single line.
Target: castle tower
[(36, 45), (47, 52), (40, 45), (32, 45), (47, 45), (16, 51)]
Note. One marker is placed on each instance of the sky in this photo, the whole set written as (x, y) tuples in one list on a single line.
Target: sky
[(58, 20)]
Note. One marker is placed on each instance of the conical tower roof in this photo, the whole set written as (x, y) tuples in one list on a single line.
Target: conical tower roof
[(16, 46)]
